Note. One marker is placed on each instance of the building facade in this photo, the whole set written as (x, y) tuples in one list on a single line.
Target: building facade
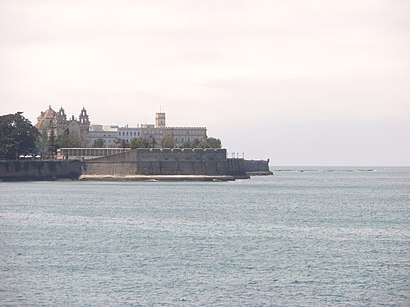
[(58, 122), (108, 134), (112, 135)]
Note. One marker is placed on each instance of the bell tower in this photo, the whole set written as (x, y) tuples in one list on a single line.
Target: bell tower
[(84, 122), (160, 120), (61, 116)]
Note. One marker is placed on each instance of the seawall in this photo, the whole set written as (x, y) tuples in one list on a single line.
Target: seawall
[(14, 170), (140, 164), (236, 167), (168, 162), (257, 167)]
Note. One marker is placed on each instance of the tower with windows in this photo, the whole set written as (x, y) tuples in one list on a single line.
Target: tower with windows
[(84, 120), (84, 123), (61, 117), (160, 120)]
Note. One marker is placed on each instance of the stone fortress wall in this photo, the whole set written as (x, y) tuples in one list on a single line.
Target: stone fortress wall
[(39, 170), (165, 161), (257, 167), (186, 163)]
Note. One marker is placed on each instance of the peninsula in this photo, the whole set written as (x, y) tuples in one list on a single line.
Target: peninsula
[(58, 149)]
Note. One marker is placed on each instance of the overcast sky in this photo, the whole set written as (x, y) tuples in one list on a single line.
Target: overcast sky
[(300, 82)]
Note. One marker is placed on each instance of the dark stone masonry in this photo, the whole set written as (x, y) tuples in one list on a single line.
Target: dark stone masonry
[(140, 164), (13, 170), (187, 161), (257, 167)]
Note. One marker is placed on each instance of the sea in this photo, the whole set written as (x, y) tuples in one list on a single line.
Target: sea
[(307, 236)]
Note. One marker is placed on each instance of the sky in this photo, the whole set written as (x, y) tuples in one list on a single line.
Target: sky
[(312, 82)]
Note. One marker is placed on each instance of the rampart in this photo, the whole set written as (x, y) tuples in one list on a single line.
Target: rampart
[(257, 167), (138, 162), (236, 167), (86, 153), (156, 161), (13, 170)]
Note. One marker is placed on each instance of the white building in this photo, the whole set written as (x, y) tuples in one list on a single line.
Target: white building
[(111, 135), (107, 133)]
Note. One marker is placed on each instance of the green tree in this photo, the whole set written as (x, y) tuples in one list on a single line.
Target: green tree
[(42, 144), (186, 144), (211, 143), (99, 143), (139, 142), (122, 143), (151, 141), (68, 140), (17, 136), (168, 142), (196, 143), (52, 144)]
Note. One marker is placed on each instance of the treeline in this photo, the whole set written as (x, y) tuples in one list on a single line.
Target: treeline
[(167, 142)]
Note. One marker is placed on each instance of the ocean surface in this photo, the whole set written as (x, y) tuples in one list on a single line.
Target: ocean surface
[(305, 236)]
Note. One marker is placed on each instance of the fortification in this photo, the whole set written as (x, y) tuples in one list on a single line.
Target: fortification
[(155, 161), (257, 167), (11, 170), (168, 164)]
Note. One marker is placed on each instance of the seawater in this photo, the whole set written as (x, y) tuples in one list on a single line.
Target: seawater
[(305, 236)]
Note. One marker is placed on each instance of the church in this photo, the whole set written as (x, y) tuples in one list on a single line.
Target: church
[(50, 119)]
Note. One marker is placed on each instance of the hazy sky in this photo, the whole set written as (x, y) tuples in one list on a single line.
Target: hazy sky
[(300, 82)]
